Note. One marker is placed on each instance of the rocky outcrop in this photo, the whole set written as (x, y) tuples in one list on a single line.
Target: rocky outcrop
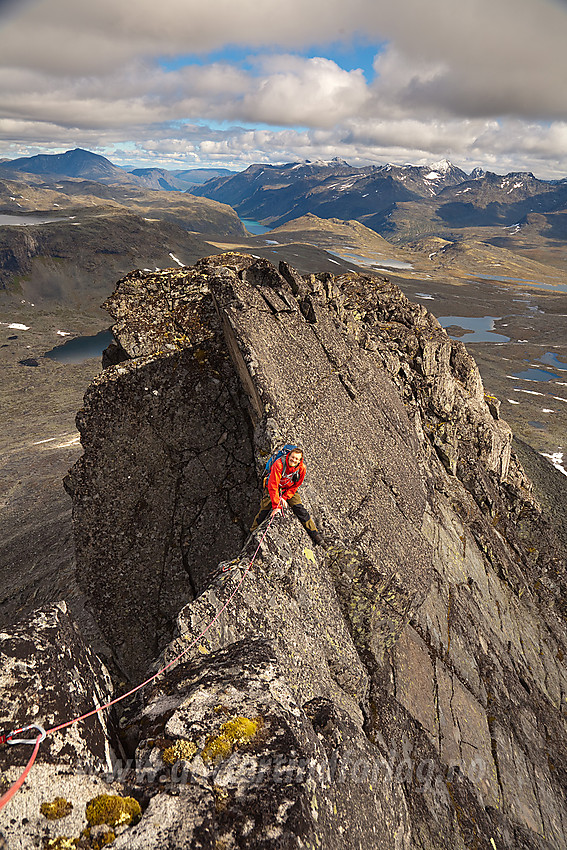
[(183, 485), (269, 772), (48, 677), (405, 687)]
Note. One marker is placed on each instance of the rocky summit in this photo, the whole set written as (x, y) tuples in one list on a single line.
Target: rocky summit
[(402, 686)]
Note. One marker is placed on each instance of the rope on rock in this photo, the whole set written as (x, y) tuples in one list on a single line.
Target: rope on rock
[(5, 798), (9, 738)]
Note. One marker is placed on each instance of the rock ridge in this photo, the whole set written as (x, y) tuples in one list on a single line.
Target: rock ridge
[(403, 688)]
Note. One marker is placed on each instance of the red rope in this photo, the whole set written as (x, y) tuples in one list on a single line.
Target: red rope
[(5, 798), (20, 781)]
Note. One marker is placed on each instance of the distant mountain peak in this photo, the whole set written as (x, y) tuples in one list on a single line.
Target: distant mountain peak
[(336, 160), (73, 163), (443, 166)]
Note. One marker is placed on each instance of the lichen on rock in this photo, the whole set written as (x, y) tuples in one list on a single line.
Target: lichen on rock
[(113, 810), (180, 750), (233, 733), (58, 808), (62, 842)]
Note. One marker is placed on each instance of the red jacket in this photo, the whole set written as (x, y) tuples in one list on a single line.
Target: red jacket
[(284, 483)]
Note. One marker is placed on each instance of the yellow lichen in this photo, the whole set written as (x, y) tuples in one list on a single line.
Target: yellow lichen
[(61, 843), (309, 556), (180, 750), (59, 808), (102, 840), (113, 810), (237, 731), (221, 798)]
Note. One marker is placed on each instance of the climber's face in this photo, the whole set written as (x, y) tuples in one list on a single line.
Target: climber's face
[(294, 459)]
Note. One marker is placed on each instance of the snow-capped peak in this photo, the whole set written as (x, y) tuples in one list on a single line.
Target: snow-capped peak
[(325, 162), (443, 166)]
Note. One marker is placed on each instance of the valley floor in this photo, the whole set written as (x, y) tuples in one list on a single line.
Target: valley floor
[(39, 443)]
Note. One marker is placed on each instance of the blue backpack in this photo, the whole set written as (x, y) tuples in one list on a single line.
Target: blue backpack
[(283, 452)]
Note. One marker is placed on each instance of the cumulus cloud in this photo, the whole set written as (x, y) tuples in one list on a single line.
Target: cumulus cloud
[(473, 80), (516, 46), (291, 91), (316, 92)]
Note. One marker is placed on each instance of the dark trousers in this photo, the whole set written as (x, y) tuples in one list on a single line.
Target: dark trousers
[(294, 503)]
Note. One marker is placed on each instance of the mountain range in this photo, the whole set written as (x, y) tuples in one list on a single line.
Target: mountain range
[(401, 202), (86, 165), (282, 192)]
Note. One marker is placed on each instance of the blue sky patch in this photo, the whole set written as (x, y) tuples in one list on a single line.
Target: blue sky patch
[(355, 54)]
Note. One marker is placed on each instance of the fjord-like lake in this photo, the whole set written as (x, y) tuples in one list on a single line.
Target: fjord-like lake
[(81, 348), (475, 329), (254, 227), (23, 220)]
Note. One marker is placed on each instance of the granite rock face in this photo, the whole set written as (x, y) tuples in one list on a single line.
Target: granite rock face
[(174, 431), (48, 677), (281, 783), (410, 677), (44, 657)]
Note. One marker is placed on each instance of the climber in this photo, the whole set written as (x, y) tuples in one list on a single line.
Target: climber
[(285, 476)]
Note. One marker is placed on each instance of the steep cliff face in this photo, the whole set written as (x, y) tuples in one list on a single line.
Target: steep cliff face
[(167, 483), (404, 687)]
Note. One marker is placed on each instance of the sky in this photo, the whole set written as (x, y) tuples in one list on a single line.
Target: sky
[(227, 83)]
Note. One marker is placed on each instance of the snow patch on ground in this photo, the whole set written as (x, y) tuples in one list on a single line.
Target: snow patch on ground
[(512, 401), (63, 333), (15, 326), (175, 260), (557, 460), (529, 392), (72, 441), (67, 441)]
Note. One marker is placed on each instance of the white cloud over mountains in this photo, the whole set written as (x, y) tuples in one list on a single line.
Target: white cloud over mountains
[(477, 81)]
